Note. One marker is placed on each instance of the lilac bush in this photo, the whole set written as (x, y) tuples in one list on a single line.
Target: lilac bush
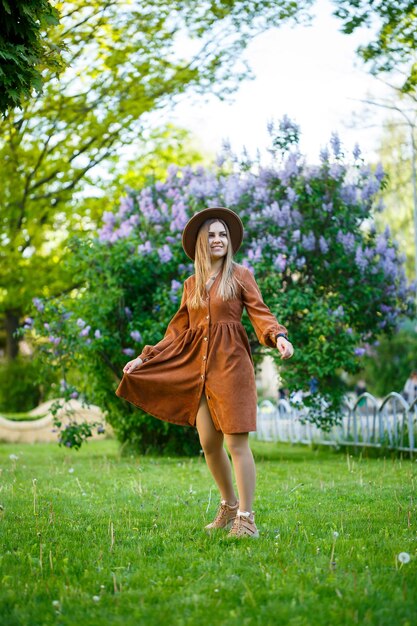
[(324, 270)]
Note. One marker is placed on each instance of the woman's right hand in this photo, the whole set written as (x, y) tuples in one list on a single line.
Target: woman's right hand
[(131, 365)]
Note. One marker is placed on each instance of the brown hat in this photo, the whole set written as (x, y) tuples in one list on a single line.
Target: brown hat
[(233, 221)]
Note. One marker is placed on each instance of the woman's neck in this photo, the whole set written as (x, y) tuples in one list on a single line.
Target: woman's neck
[(216, 266)]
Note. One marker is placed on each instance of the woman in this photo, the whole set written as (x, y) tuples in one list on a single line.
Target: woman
[(201, 373)]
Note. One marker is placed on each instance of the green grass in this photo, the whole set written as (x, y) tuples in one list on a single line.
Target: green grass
[(129, 531), (18, 417)]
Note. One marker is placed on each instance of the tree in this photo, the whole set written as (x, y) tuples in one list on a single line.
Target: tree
[(395, 42), (123, 63), (322, 266), (24, 49), (394, 152)]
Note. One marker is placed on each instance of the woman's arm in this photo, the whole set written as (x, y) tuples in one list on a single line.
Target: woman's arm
[(176, 326), (263, 321)]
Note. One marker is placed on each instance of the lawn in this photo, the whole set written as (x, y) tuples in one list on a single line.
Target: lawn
[(92, 538)]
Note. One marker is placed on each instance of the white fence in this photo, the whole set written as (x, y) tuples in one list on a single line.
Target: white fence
[(367, 422)]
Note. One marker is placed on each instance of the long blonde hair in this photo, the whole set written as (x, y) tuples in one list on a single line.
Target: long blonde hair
[(228, 284)]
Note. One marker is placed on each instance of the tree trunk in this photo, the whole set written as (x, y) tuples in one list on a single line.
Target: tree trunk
[(11, 324)]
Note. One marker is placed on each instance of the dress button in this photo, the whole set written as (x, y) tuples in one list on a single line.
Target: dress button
[(204, 358), (202, 375), (207, 317), (205, 338)]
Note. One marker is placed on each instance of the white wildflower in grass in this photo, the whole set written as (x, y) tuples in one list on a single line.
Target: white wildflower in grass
[(13, 457), (55, 603), (71, 470), (404, 557), (96, 598), (335, 534)]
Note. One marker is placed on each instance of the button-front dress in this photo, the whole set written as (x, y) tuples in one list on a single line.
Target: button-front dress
[(205, 350)]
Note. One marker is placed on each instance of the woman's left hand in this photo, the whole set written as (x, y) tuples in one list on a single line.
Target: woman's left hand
[(285, 347)]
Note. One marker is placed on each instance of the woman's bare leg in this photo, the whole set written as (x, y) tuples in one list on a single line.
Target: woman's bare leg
[(244, 466), (216, 456)]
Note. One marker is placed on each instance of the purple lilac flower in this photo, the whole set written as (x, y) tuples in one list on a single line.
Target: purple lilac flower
[(175, 285), (165, 253), (324, 155), (309, 241), (80, 322), (300, 262), (255, 255), (339, 312), (128, 312), (54, 340), (359, 351), (335, 144), (97, 334), (296, 235), (336, 170), (126, 205), (136, 336), (63, 384), (349, 194), (100, 429), (145, 248), (370, 188), (28, 321), (128, 351), (74, 394), (85, 331), (379, 172), (38, 304), (360, 260), (356, 152), (280, 263), (349, 331), (324, 246), (291, 194)]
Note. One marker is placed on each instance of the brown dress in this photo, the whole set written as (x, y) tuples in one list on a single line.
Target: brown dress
[(205, 350)]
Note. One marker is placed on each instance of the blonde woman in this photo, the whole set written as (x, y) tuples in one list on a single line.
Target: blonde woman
[(201, 373)]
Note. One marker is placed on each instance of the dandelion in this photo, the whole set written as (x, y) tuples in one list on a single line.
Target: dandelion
[(404, 557), (71, 470), (335, 534), (55, 603), (96, 598), (13, 457)]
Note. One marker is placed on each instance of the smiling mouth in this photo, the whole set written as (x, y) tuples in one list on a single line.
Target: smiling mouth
[(217, 247)]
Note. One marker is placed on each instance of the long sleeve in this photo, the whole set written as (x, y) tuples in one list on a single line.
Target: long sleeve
[(263, 321), (176, 326)]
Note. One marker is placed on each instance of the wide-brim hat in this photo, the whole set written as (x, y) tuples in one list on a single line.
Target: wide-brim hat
[(233, 221)]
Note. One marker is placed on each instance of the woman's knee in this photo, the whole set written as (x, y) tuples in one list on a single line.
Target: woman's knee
[(211, 440), (238, 444)]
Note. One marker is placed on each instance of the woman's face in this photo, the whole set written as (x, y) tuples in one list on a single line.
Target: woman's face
[(217, 240)]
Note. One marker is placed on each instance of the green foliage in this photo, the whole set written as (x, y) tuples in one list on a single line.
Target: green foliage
[(22, 387), (395, 154), (24, 50), (323, 269), (391, 362), (395, 42), (122, 64)]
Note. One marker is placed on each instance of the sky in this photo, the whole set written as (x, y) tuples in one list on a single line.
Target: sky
[(312, 74)]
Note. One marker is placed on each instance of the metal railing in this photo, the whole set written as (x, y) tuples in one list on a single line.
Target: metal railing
[(390, 423)]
